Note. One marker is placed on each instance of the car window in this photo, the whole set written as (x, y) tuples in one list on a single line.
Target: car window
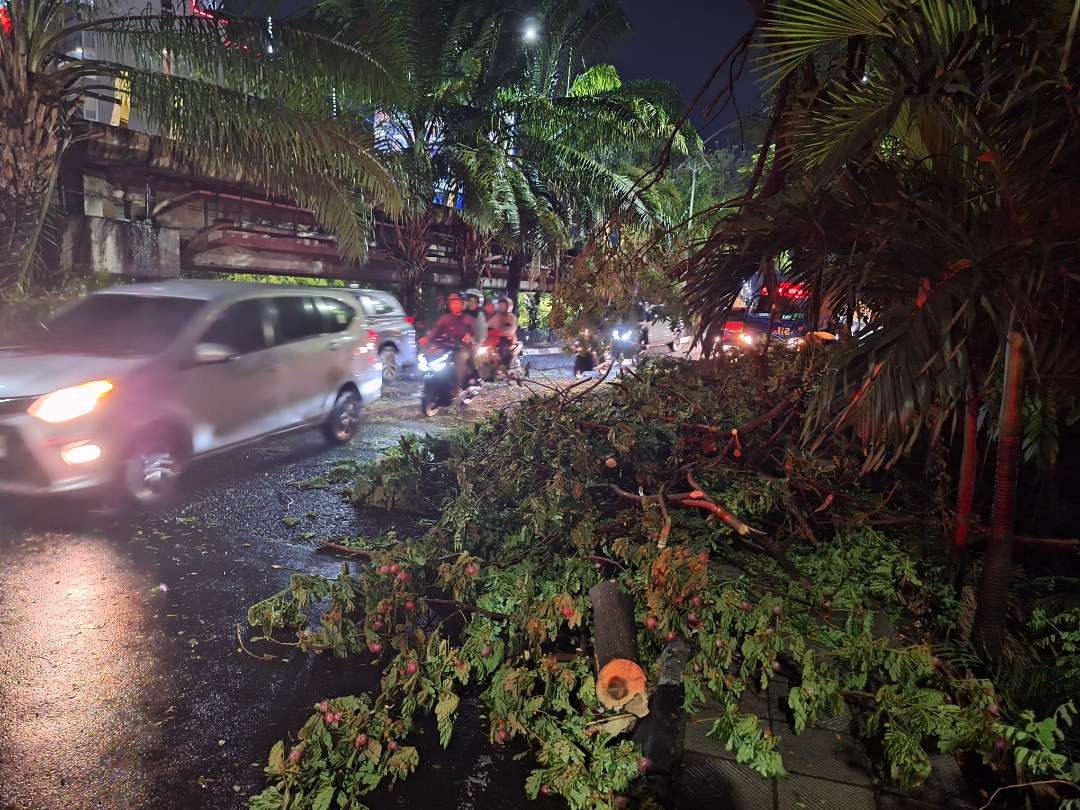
[(336, 315), (118, 323), (240, 327), (297, 318), (377, 305)]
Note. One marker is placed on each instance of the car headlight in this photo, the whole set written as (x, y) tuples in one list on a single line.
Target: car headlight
[(70, 403), (482, 350), (747, 338), (795, 342)]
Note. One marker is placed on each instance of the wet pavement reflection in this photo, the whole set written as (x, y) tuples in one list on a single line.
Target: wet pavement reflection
[(122, 684)]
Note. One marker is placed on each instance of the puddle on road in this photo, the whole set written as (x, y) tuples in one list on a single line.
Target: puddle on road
[(79, 680)]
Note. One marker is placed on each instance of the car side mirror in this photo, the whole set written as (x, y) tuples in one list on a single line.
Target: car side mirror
[(210, 353)]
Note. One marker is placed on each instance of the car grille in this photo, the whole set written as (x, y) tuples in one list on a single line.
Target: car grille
[(17, 465), (15, 405)]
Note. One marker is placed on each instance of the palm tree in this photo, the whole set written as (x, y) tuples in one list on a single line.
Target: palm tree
[(581, 138), (506, 131), (931, 155), (227, 106)]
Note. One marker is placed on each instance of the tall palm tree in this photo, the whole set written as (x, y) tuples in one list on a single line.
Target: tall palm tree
[(932, 156), (227, 106), (504, 129)]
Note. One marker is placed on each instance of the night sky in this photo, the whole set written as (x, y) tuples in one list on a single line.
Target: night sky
[(681, 41)]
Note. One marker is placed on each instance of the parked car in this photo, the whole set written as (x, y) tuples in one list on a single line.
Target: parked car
[(121, 390), (396, 339)]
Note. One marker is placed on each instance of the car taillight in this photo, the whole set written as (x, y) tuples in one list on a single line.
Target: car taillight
[(372, 339), (410, 320), (733, 326)]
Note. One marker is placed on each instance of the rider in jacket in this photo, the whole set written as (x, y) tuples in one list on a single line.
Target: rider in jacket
[(457, 330)]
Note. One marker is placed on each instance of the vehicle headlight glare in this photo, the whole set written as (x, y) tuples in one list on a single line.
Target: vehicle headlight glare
[(746, 338), (70, 403)]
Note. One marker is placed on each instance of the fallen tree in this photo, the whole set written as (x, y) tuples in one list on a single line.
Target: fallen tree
[(766, 562)]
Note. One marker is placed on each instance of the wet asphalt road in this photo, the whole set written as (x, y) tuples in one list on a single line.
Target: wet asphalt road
[(121, 683)]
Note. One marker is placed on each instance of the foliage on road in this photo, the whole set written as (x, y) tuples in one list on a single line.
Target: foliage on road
[(683, 485)]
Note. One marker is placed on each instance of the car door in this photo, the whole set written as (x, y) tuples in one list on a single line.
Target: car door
[(351, 342), (311, 354), (239, 398)]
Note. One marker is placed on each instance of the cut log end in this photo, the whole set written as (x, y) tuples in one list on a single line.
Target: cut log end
[(619, 682)]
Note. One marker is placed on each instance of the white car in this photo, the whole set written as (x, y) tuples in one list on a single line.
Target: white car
[(125, 387)]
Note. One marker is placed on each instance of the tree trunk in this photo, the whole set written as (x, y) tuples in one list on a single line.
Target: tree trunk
[(409, 240), (513, 280), (966, 490), (989, 630), (473, 248), (411, 277), (620, 680), (31, 144)]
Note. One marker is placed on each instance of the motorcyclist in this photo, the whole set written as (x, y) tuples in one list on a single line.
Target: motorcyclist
[(502, 330), (504, 323), (474, 300), (456, 330), (646, 313)]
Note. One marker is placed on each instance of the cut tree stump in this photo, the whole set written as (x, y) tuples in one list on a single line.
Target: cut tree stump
[(620, 680)]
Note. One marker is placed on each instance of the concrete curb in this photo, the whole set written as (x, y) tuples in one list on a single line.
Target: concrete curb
[(541, 352)]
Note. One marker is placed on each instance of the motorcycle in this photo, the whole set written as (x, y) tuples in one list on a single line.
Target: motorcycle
[(498, 355), (437, 364), (587, 356), (624, 345)]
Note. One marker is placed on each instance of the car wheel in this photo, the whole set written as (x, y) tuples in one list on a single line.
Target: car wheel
[(151, 472), (391, 366), (344, 420)]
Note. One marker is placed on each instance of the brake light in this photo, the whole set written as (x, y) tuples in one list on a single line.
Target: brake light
[(410, 320), (372, 339), (733, 326)]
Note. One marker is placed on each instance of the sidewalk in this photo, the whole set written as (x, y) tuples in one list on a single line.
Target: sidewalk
[(827, 768)]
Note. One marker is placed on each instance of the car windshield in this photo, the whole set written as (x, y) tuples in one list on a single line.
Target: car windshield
[(117, 324)]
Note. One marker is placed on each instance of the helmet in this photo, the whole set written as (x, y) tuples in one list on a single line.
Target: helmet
[(479, 296)]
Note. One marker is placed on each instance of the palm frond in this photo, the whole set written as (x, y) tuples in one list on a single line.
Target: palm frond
[(324, 164)]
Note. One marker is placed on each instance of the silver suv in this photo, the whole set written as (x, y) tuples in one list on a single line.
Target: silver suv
[(126, 386), (396, 335)]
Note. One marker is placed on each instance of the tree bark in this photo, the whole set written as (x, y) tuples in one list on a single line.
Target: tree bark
[(473, 247), (620, 680), (513, 280), (966, 490), (31, 144), (989, 630), (409, 241)]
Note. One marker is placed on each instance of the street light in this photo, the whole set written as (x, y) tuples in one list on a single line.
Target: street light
[(531, 31)]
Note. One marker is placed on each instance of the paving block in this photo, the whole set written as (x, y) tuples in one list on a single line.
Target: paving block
[(824, 754), (946, 786), (711, 782), (805, 793), (697, 726), (896, 801)]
